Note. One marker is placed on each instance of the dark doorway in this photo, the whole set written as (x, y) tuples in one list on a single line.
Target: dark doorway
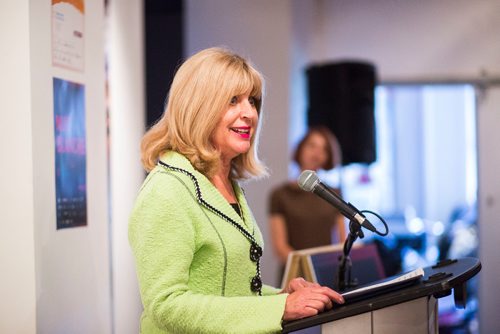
[(164, 51)]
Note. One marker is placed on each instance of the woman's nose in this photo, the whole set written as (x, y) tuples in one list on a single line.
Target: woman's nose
[(246, 109)]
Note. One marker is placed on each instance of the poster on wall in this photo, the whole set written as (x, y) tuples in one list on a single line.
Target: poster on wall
[(70, 154), (67, 34)]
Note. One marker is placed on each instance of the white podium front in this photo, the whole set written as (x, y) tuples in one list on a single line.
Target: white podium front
[(417, 316)]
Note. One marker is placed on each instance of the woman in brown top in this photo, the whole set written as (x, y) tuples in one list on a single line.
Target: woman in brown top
[(300, 219)]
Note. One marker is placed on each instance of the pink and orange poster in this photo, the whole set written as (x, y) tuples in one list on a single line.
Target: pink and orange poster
[(71, 153)]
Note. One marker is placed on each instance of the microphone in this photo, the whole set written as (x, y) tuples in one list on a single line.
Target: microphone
[(309, 181)]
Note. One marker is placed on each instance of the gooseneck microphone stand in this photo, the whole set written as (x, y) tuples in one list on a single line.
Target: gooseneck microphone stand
[(344, 279)]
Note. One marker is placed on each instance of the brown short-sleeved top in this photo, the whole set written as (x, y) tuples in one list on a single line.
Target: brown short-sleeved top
[(308, 218)]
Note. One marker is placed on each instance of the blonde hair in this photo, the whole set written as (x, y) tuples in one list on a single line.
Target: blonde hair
[(199, 95)]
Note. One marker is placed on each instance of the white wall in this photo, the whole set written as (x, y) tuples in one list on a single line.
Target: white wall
[(72, 265), (261, 31), (411, 39), (127, 122), (17, 242), (489, 209), (66, 272)]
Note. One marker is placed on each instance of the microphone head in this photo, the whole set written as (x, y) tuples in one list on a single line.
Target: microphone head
[(308, 180)]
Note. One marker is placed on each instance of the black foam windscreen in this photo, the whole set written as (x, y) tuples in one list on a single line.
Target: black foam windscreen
[(342, 98)]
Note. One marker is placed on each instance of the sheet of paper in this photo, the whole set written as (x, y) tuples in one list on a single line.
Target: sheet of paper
[(415, 274)]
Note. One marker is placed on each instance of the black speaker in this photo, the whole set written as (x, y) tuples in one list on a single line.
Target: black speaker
[(342, 98)]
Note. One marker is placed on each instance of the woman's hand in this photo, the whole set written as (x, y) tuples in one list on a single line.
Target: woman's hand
[(306, 299), (298, 283)]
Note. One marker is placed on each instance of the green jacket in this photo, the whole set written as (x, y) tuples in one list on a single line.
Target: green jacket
[(193, 265)]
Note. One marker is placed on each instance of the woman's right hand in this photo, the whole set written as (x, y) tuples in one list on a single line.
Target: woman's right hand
[(310, 300)]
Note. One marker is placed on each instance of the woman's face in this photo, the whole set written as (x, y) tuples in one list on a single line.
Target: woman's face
[(233, 134), (314, 152)]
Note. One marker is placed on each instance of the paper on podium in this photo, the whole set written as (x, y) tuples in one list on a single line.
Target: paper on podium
[(390, 283)]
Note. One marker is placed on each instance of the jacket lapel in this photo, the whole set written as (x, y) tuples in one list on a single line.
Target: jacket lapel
[(209, 197)]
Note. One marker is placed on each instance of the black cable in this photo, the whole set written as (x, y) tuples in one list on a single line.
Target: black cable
[(381, 219)]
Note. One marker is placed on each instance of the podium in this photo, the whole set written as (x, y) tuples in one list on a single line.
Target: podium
[(398, 309)]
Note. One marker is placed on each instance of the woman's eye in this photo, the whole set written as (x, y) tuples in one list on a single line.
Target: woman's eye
[(252, 101), (234, 100)]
